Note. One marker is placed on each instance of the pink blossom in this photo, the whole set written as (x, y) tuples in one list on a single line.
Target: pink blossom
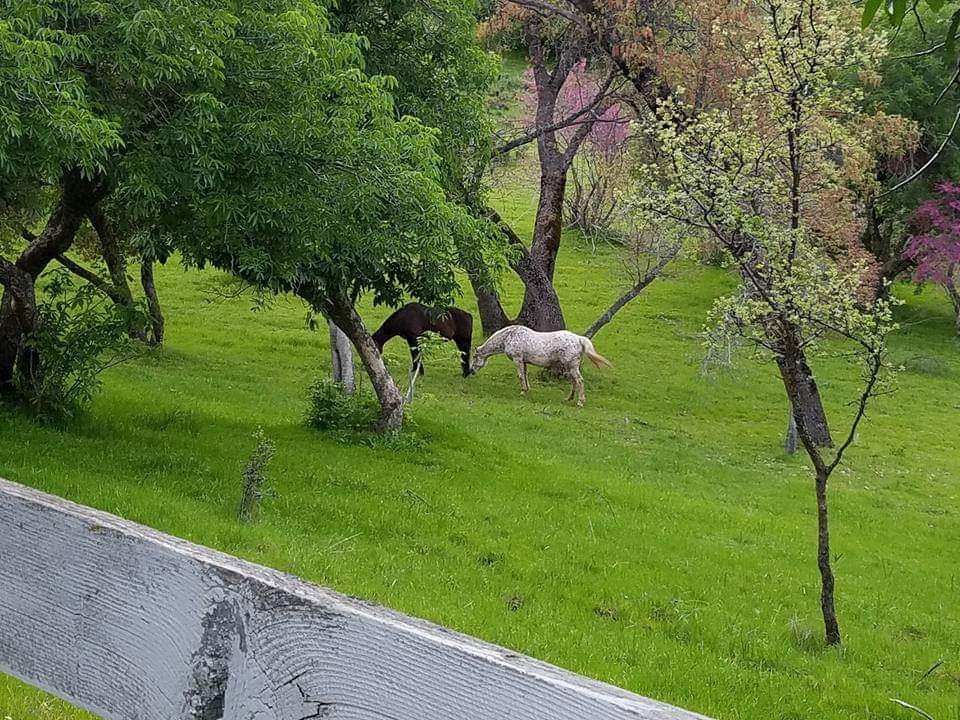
[(935, 246)]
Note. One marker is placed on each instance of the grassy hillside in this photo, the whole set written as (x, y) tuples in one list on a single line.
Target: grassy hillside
[(658, 539)]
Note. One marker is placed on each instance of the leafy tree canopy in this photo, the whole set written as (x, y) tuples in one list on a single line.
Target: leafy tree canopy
[(246, 133), (440, 73)]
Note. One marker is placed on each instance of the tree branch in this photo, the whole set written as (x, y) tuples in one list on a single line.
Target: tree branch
[(571, 119), (928, 163), (651, 275), (875, 364), (98, 282)]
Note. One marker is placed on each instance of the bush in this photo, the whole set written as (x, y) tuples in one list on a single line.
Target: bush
[(79, 335), (332, 410)]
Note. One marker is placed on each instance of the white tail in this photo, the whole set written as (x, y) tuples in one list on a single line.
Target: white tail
[(595, 357)]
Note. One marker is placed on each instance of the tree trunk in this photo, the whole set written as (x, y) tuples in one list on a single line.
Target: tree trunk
[(157, 322), (492, 315), (804, 396), (954, 293), (18, 309), (548, 226), (791, 440), (541, 309), (830, 624), (116, 264), (341, 355), (341, 311), (18, 317), (541, 306)]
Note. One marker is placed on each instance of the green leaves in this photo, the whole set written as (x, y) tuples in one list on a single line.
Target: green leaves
[(870, 8), (895, 11)]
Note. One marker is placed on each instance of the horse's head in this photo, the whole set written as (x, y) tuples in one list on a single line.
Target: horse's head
[(479, 360)]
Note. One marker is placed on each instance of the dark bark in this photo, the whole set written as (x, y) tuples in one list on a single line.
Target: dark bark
[(541, 309), (880, 239), (341, 311), (827, 604), (115, 260), (953, 292), (18, 310), (548, 225), (98, 282), (804, 395), (157, 322), (492, 315)]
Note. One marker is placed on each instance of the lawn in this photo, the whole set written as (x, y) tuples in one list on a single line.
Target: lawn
[(658, 539)]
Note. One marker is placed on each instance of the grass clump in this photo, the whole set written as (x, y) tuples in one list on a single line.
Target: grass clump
[(331, 409)]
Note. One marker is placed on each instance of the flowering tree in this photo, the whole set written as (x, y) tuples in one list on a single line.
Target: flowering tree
[(771, 173), (628, 56), (599, 169), (935, 247)]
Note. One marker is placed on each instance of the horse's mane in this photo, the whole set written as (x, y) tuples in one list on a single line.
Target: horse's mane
[(496, 339)]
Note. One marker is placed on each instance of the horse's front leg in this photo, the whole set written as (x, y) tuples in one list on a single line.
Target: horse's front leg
[(416, 361)]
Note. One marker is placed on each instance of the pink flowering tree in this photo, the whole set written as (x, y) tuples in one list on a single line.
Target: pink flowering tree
[(935, 246)]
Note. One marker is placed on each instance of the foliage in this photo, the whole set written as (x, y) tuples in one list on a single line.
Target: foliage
[(798, 237), (895, 12), (79, 335), (254, 478), (439, 74), (47, 119), (911, 86), (332, 410), (306, 181)]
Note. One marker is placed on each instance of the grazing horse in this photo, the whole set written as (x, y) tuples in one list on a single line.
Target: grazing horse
[(413, 320), (560, 351)]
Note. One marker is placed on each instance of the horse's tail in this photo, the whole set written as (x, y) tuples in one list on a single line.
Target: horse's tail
[(595, 357)]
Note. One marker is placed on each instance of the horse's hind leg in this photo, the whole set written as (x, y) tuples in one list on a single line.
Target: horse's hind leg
[(577, 388), (522, 374)]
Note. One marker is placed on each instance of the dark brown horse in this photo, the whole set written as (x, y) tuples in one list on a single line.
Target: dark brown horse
[(413, 320)]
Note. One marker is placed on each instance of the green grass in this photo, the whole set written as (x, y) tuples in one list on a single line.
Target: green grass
[(658, 539)]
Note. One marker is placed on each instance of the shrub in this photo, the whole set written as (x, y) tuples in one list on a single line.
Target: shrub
[(79, 335), (332, 410), (254, 478)]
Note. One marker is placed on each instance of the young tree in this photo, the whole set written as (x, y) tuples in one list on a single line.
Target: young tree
[(770, 175), (935, 245)]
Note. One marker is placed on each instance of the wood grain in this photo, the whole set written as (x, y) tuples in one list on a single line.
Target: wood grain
[(133, 624)]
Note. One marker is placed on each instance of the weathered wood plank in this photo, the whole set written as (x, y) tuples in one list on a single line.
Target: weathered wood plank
[(133, 624)]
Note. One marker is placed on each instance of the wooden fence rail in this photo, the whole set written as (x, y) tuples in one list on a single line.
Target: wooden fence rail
[(133, 624)]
